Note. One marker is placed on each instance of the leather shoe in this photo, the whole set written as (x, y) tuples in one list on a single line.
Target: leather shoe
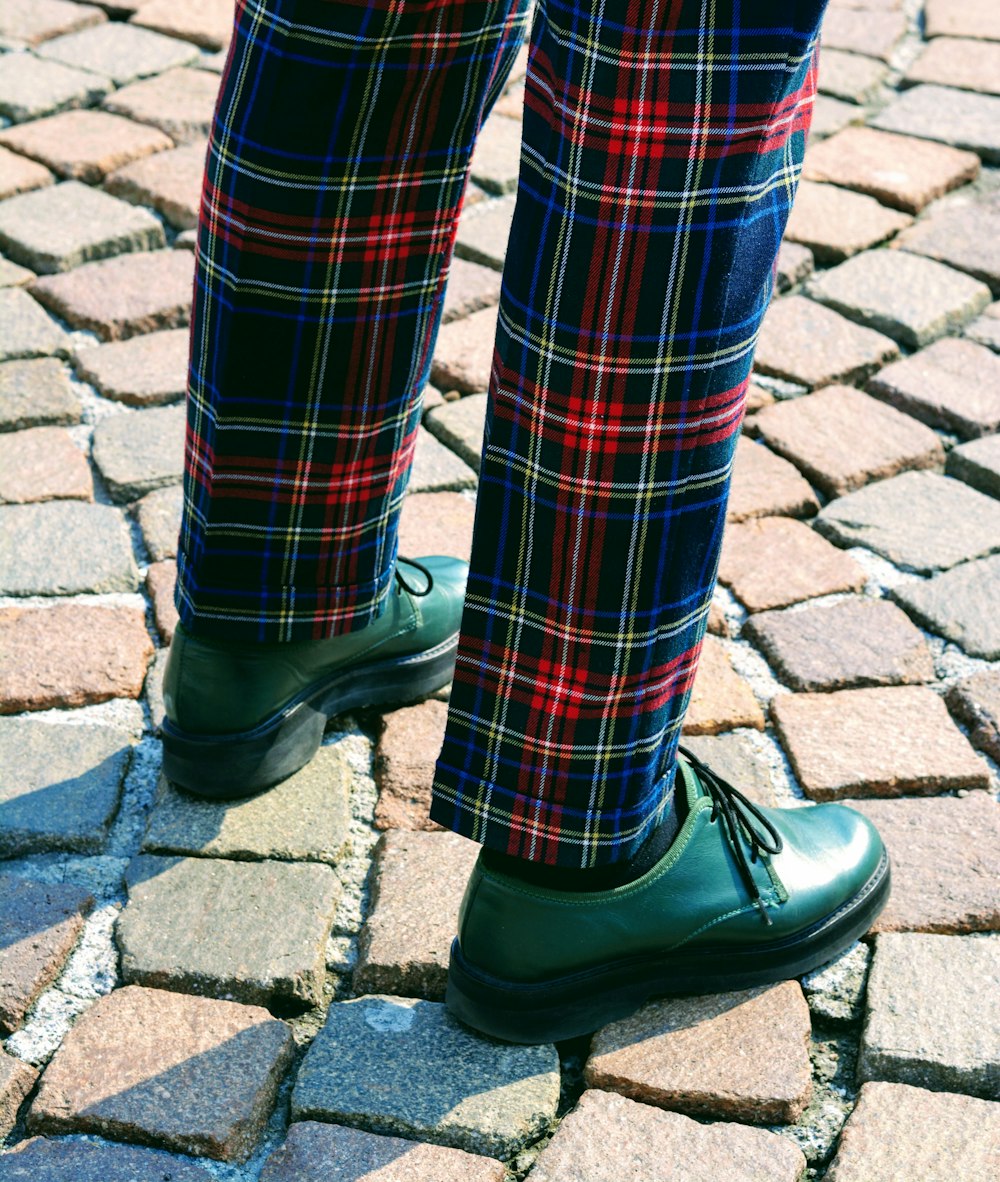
[(743, 896), (241, 717)]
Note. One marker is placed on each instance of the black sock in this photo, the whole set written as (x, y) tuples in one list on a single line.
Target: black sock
[(601, 878)]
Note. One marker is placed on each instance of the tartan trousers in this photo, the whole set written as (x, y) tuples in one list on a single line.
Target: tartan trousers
[(662, 143)]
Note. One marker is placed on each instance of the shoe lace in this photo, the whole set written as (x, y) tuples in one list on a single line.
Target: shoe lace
[(740, 818), (408, 587)]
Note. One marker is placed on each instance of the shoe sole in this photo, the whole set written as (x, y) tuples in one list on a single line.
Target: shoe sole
[(582, 1002), (226, 767)]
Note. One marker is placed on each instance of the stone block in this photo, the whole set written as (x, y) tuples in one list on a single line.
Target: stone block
[(732, 757), (161, 580), (122, 297), (26, 330), (64, 548), (191, 1074), (772, 562), (34, 21), (959, 118), (975, 701), (435, 468), (974, 18), (208, 23), (804, 342), (435, 523), (145, 371), (965, 235), (41, 922), (42, 464), (140, 451), (463, 354), (121, 52), (483, 231), (404, 765), (875, 742), (678, 1054), (961, 62), (179, 103), (831, 115), (986, 329), (72, 654), (836, 223), (471, 287), (720, 699), (19, 175), (764, 485), (872, 33), (901, 171), (496, 159), (16, 1081), (926, 1024), (856, 642), (405, 1067), (460, 424), (850, 76), (159, 515), (957, 1138), (338, 1154), (253, 931), (41, 1160), (405, 944), (960, 605), (59, 785), (30, 87), (793, 265), (304, 818), (14, 275), (169, 181), (978, 464), (607, 1138), (945, 855)]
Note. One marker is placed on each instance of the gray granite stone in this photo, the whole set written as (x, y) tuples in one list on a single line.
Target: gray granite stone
[(975, 701), (304, 818), (144, 371), (836, 223), (208, 23), (59, 785), (851, 76), (978, 464), (836, 990), (960, 604), (17, 1078), (435, 468), (253, 931), (159, 515), (64, 548), (139, 452), (733, 757), (32, 21), (36, 394), (404, 1067), (831, 115), (169, 182), (26, 330), (179, 102), (918, 520), (964, 234), (958, 118), (40, 1160), (497, 156), (794, 264), (986, 329), (483, 232), (18, 174), (30, 87), (459, 425), (121, 52), (13, 274), (928, 1021)]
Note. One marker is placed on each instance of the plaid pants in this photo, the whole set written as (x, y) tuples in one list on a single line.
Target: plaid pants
[(662, 143)]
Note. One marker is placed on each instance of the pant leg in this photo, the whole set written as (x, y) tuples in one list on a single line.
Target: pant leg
[(662, 143), (337, 162)]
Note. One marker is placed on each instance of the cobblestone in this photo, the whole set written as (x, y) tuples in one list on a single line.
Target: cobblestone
[(19, 175), (831, 115), (735, 759), (208, 23), (139, 452), (459, 426), (975, 701), (161, 579), (30, 87), (436, 523), (851, 76), (159, 515), (720, 700), (471, 286), (795, 263), (955, 117), (764, 485), (836, 223), (977, 464), (179, 102), (960, 605), (16, 1081), (169, 181), (42, 464), (26, 330), (986, 329), (64, 548), (966, 236), (974, 18), (404, 765), (872, 33), (144, 371), (836, 991), (33, 21), (435, 468), (959, 61), (463, 354), (121, 52), (483, 233), (497, 156), (14, 275), (41, 1160)]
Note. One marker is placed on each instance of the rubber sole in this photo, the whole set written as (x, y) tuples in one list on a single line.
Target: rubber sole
[(227, 767), (582, 1002)]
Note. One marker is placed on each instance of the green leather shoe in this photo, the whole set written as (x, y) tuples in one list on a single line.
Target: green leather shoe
[(743, 896), (241, 717)]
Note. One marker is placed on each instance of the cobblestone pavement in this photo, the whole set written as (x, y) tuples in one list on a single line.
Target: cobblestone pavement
[(189, 990)]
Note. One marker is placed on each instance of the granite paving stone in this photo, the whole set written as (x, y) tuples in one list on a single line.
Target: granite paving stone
[(836, 990), (945, 854), (84, 145), (460, 425), (144, 371), (960, 605), (890, 742), (161, 579), (959, 118), (404, 765), (678, 1053), (191, 1074), (958, 1136), (406, 1067), (872, 33), (159, 515), (511, 102), (497, 156), (831, 115), (13, 274), (253, 931), (926, 1023), (436, 523), (338, 1154), (463, 353), (121, 52), (803, 341), (841, 438), (19, 175), (977, 463), (953, 384), (901, 171), (64, 548), (764, 485), (435, 468), (972, 18), (483, 232), (607, 1138), (33, 21), (140, 451), (856, 642), (169, 181), (179, 102), (733, 757), (42, 464), (985, 330), (918, 520), (975, 701), (720, 700), (471, 286), (122, 297), (910, 298), (60, 227), (26, 330), (16, 1081), (30, 87), (41, 923), (208, 23), (773, 562), (154, 689), (851, 76), (836, 223), (40, 1160), (71, 655), (304, 818), (59, 785), (758, 397), (404, 949), (965, 235), (794, 264), (961, 62)]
